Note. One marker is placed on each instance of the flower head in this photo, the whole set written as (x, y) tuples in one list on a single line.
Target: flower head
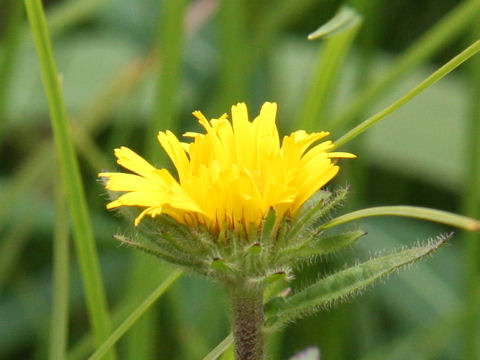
[(230, 176)]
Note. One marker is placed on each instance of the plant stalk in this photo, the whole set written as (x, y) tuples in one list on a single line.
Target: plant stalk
[(247, 321)]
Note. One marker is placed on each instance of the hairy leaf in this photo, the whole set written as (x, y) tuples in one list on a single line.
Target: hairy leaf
[(344, 283)]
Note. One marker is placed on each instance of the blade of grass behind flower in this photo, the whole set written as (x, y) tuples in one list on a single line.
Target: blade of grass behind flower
[(70, 13), (423, 49), (178, 304), (471, 195), (61, 274), (37, 166), (425, 84), (67, 14), (229, 354), (82, 229), (427, 342), (235, 56), (169, 48), (7, 60), (368, 38), (285, 11), (14, 242), (94, 118), (142, 278), (442, 217), (170, 40), (135, 315), (339, 34), (84, 347), (220, 348)]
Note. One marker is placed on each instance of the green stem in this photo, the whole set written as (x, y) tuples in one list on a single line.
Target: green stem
[(82, 228), (432, 79), (247, 321)]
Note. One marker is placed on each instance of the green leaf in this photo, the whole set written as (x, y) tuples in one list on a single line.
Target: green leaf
[(345, 283)]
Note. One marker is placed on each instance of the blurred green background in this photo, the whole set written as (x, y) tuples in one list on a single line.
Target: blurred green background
[(130, 68)]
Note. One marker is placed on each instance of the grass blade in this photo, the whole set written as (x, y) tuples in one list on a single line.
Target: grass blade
[(135, 315), (424, 48), (82, 229), (339, 34), (236, 58), (61, 274), (438, 216), (170, 45), (220, 348), (142, 278), (432, 79), (470, 330), (13, 243), (7, 59), (286, 11)]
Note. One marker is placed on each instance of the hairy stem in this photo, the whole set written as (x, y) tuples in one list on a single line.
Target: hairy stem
[(247, 321)]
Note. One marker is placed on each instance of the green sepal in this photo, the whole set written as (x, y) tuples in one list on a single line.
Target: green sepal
[(267, 227), (321, 196), (273, 304), (182, 261), (345, 283), (278, 276), (328, 244), (165, 232), (318, 245), (307, 218), (221, 266), (254, 249), (277, 284)]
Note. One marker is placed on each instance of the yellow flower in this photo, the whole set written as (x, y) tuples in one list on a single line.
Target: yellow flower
[(229, 177)]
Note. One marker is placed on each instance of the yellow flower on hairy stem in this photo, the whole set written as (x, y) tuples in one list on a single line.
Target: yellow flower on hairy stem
[(229, 177)]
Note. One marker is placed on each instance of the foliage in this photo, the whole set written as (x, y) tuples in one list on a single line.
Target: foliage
[(109, 56)]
